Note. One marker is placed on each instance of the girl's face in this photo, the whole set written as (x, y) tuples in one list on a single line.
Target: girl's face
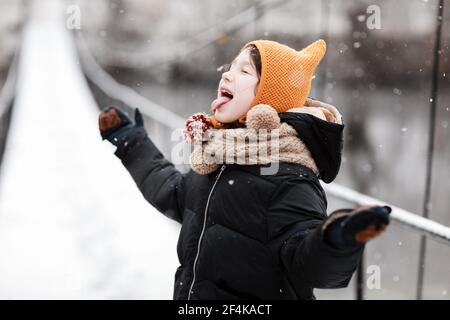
[(237, 89)]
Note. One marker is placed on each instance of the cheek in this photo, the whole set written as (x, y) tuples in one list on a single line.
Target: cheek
[(247, 88)]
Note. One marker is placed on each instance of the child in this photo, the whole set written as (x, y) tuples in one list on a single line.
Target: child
[(244, 234)]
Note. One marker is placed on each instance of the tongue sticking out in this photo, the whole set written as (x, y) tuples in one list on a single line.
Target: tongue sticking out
[(219, 102)]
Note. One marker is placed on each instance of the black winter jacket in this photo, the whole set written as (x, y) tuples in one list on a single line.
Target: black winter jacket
[(244, 235)]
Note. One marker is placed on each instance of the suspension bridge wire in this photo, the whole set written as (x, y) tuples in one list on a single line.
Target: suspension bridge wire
[(325, 12), (430, 153), (204, 31), (121, 92), (176, 51), (7, 92), (7, 95)]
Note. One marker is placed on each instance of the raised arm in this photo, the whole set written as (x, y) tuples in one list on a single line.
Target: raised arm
[(161, 184)]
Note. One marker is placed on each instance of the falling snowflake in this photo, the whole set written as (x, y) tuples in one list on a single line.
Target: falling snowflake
[(397, 91)]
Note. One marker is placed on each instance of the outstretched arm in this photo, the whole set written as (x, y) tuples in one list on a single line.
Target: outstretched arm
[(320, 251), (159, 181)]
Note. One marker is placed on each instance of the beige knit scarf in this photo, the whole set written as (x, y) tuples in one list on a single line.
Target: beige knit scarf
[(263, 140)]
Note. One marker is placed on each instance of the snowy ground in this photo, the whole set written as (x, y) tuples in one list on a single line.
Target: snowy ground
[(73, 224)]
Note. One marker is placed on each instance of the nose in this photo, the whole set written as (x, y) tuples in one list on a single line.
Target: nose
[(227, 76)]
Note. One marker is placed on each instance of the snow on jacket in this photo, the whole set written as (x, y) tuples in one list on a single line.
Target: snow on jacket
[(247, 235)]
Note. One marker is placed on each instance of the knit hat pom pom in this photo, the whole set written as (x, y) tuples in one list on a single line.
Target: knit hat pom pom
[(262, 116)]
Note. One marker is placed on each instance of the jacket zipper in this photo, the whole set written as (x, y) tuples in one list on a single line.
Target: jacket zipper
[(203, 230)]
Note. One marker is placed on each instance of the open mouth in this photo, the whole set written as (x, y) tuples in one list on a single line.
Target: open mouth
[(226, 93)]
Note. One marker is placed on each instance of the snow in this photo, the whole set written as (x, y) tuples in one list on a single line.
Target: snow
[(397, 91), (73, 224)]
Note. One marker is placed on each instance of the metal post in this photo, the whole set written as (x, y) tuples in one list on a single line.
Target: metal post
[(431, 134), (360, 279)]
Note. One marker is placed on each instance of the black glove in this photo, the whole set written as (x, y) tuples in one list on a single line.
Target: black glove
[(116, 126), (350, 228)]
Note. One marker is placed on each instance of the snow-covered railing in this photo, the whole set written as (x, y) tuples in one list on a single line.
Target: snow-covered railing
[(115, 90), (110, 87), (422, 225), (161, 121)]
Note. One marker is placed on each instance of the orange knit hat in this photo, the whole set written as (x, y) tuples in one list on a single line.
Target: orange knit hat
[(286, 74)]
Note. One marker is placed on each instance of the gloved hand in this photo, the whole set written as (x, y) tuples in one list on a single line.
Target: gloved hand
[(116, 126), (350, 228)]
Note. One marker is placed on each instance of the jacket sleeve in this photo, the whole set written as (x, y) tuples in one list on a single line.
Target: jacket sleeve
[(161, 184), (307, 259)]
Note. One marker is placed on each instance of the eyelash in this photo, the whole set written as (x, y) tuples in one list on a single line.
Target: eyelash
[(227, 67)]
